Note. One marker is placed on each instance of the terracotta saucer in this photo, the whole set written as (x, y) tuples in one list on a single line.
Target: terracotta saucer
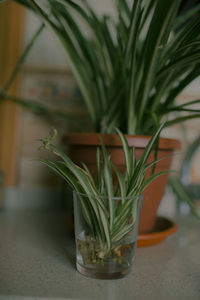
[(163, 228)]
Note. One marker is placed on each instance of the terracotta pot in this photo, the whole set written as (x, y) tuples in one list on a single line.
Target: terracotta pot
[(82, 148)]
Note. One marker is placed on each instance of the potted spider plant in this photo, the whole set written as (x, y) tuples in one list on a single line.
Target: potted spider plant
[(130, 68), (106, 213)]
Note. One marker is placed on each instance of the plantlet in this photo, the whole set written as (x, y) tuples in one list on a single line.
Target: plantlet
[(109, 220)]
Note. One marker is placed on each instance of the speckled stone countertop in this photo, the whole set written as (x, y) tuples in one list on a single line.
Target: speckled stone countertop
[(37, 261)]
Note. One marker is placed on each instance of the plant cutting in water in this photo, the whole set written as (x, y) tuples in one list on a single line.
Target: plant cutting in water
[(109, 221)]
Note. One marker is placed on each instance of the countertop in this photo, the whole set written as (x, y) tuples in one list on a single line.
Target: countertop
[(37, 260)]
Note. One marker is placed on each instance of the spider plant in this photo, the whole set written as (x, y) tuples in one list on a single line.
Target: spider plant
[(130, 68), (108, 223)]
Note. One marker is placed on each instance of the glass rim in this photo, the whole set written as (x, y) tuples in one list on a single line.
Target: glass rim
[(104, 197)]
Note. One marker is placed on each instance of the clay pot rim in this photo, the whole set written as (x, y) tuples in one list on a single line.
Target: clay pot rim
[(139, 141)]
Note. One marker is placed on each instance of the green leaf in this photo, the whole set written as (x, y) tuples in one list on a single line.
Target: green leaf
[(121, 182), (65, 174), (108, 184), (120, 235), (22, 58), (127, 154), (182, 195), (157, 29), (140, 167), (182, 119), (152, 178), (184, 17), (154, 162), (98, 163), (183, 107), (148, 148)]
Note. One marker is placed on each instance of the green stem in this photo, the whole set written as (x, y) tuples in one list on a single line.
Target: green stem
[(22, 59)]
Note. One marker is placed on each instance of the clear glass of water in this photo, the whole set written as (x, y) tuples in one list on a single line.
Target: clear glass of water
[(92, 257)]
